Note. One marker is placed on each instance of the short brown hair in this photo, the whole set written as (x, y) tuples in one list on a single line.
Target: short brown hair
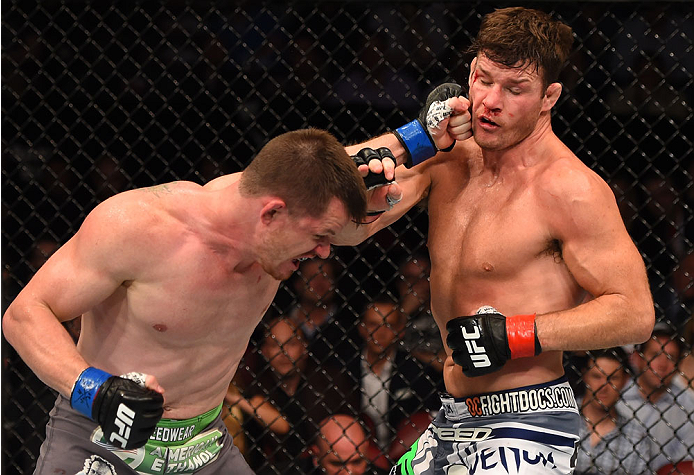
[(306, 168), (520, 37)]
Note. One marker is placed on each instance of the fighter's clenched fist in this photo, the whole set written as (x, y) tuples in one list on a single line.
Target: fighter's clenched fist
[(443, 120), (126, 410), (378, 169), (482, 343)]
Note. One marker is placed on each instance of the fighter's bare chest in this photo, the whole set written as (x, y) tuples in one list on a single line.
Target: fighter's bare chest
[(481, 229), (201, 299)]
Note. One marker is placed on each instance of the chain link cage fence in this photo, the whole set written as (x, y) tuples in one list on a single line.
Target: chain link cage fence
[(102, 97)]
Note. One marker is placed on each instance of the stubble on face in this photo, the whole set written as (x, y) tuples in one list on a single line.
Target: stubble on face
[(516, 116), (271, 257), (296, 239)]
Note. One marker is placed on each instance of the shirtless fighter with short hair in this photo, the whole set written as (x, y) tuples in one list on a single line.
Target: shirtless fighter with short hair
[(529, 255), (170, 282)]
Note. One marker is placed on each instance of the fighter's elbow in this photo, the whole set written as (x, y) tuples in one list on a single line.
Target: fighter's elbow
[(10, 324)]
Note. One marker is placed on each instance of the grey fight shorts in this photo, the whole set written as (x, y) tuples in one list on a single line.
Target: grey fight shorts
[(528, 430), (202, 445)]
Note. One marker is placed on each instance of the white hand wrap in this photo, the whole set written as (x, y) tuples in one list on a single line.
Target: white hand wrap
[(139, 378), (437, 113)]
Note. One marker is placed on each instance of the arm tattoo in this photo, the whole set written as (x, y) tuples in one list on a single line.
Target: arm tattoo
[(158, 190)]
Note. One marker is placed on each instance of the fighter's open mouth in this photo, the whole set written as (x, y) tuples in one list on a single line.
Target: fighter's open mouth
[(488, 121)]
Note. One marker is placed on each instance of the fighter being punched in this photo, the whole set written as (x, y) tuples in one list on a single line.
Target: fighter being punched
[(529, 254)]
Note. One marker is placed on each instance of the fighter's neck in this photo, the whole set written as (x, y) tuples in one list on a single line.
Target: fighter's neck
[(536, 148), (226, 221)]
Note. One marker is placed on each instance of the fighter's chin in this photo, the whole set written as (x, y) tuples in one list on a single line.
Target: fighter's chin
[(278, 272), (284, 270), (490, 142), (487, 144)]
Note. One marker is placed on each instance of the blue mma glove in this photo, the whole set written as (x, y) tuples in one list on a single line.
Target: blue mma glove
[(127, 412), (415, 136)]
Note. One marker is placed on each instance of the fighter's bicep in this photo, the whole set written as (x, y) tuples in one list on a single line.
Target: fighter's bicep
[(597, 248), (69, 286), (84, 271)]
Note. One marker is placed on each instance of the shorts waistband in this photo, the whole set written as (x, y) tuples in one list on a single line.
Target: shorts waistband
[(176, 431), (553, 396)]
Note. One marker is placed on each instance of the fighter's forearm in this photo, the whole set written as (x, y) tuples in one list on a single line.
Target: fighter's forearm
[(604, 322), (44, 345)]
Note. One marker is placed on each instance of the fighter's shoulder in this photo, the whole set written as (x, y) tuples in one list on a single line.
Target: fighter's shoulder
[(137, 211), (568, 179)]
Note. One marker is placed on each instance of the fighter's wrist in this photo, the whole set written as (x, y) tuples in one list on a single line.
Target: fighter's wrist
[(416, 141), (521, 332), (86, 388)]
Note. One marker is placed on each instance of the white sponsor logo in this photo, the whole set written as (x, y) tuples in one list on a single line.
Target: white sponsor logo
[(173, 434), (124, 422), (478, 354), (463, 434), (526, 400)]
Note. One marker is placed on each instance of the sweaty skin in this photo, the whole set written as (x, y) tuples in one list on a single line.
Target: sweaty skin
[(518, 222), (170, 281)]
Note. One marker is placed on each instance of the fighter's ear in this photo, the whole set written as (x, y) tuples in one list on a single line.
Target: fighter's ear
[(272, 208), (551, 97)]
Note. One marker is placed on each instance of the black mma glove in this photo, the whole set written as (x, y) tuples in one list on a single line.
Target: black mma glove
[(127, 412), (482, 343), (374, 180), (415, 136), (363, 156)]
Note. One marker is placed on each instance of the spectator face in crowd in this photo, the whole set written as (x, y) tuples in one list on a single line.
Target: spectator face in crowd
[(382, 325), (316, 282), (413, 284), (340, 446), (610, 443), (656, 363), (284, 347), (604, 378)]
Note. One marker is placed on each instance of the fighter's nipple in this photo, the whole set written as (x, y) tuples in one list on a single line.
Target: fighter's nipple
[(159, 327), (487, 267)]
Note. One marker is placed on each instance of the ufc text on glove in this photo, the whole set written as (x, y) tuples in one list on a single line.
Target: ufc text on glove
[(127, 412), (484, 342)]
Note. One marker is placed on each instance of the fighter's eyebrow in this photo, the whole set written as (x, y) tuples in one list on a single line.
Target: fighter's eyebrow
[(518, 81), (512, 80), (330, 231)]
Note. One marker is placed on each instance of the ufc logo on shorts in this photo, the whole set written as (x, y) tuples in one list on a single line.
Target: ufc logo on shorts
[(124, 422), (478, 355)]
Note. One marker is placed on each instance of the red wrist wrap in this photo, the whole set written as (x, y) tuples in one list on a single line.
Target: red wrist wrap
[(520, 331)]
